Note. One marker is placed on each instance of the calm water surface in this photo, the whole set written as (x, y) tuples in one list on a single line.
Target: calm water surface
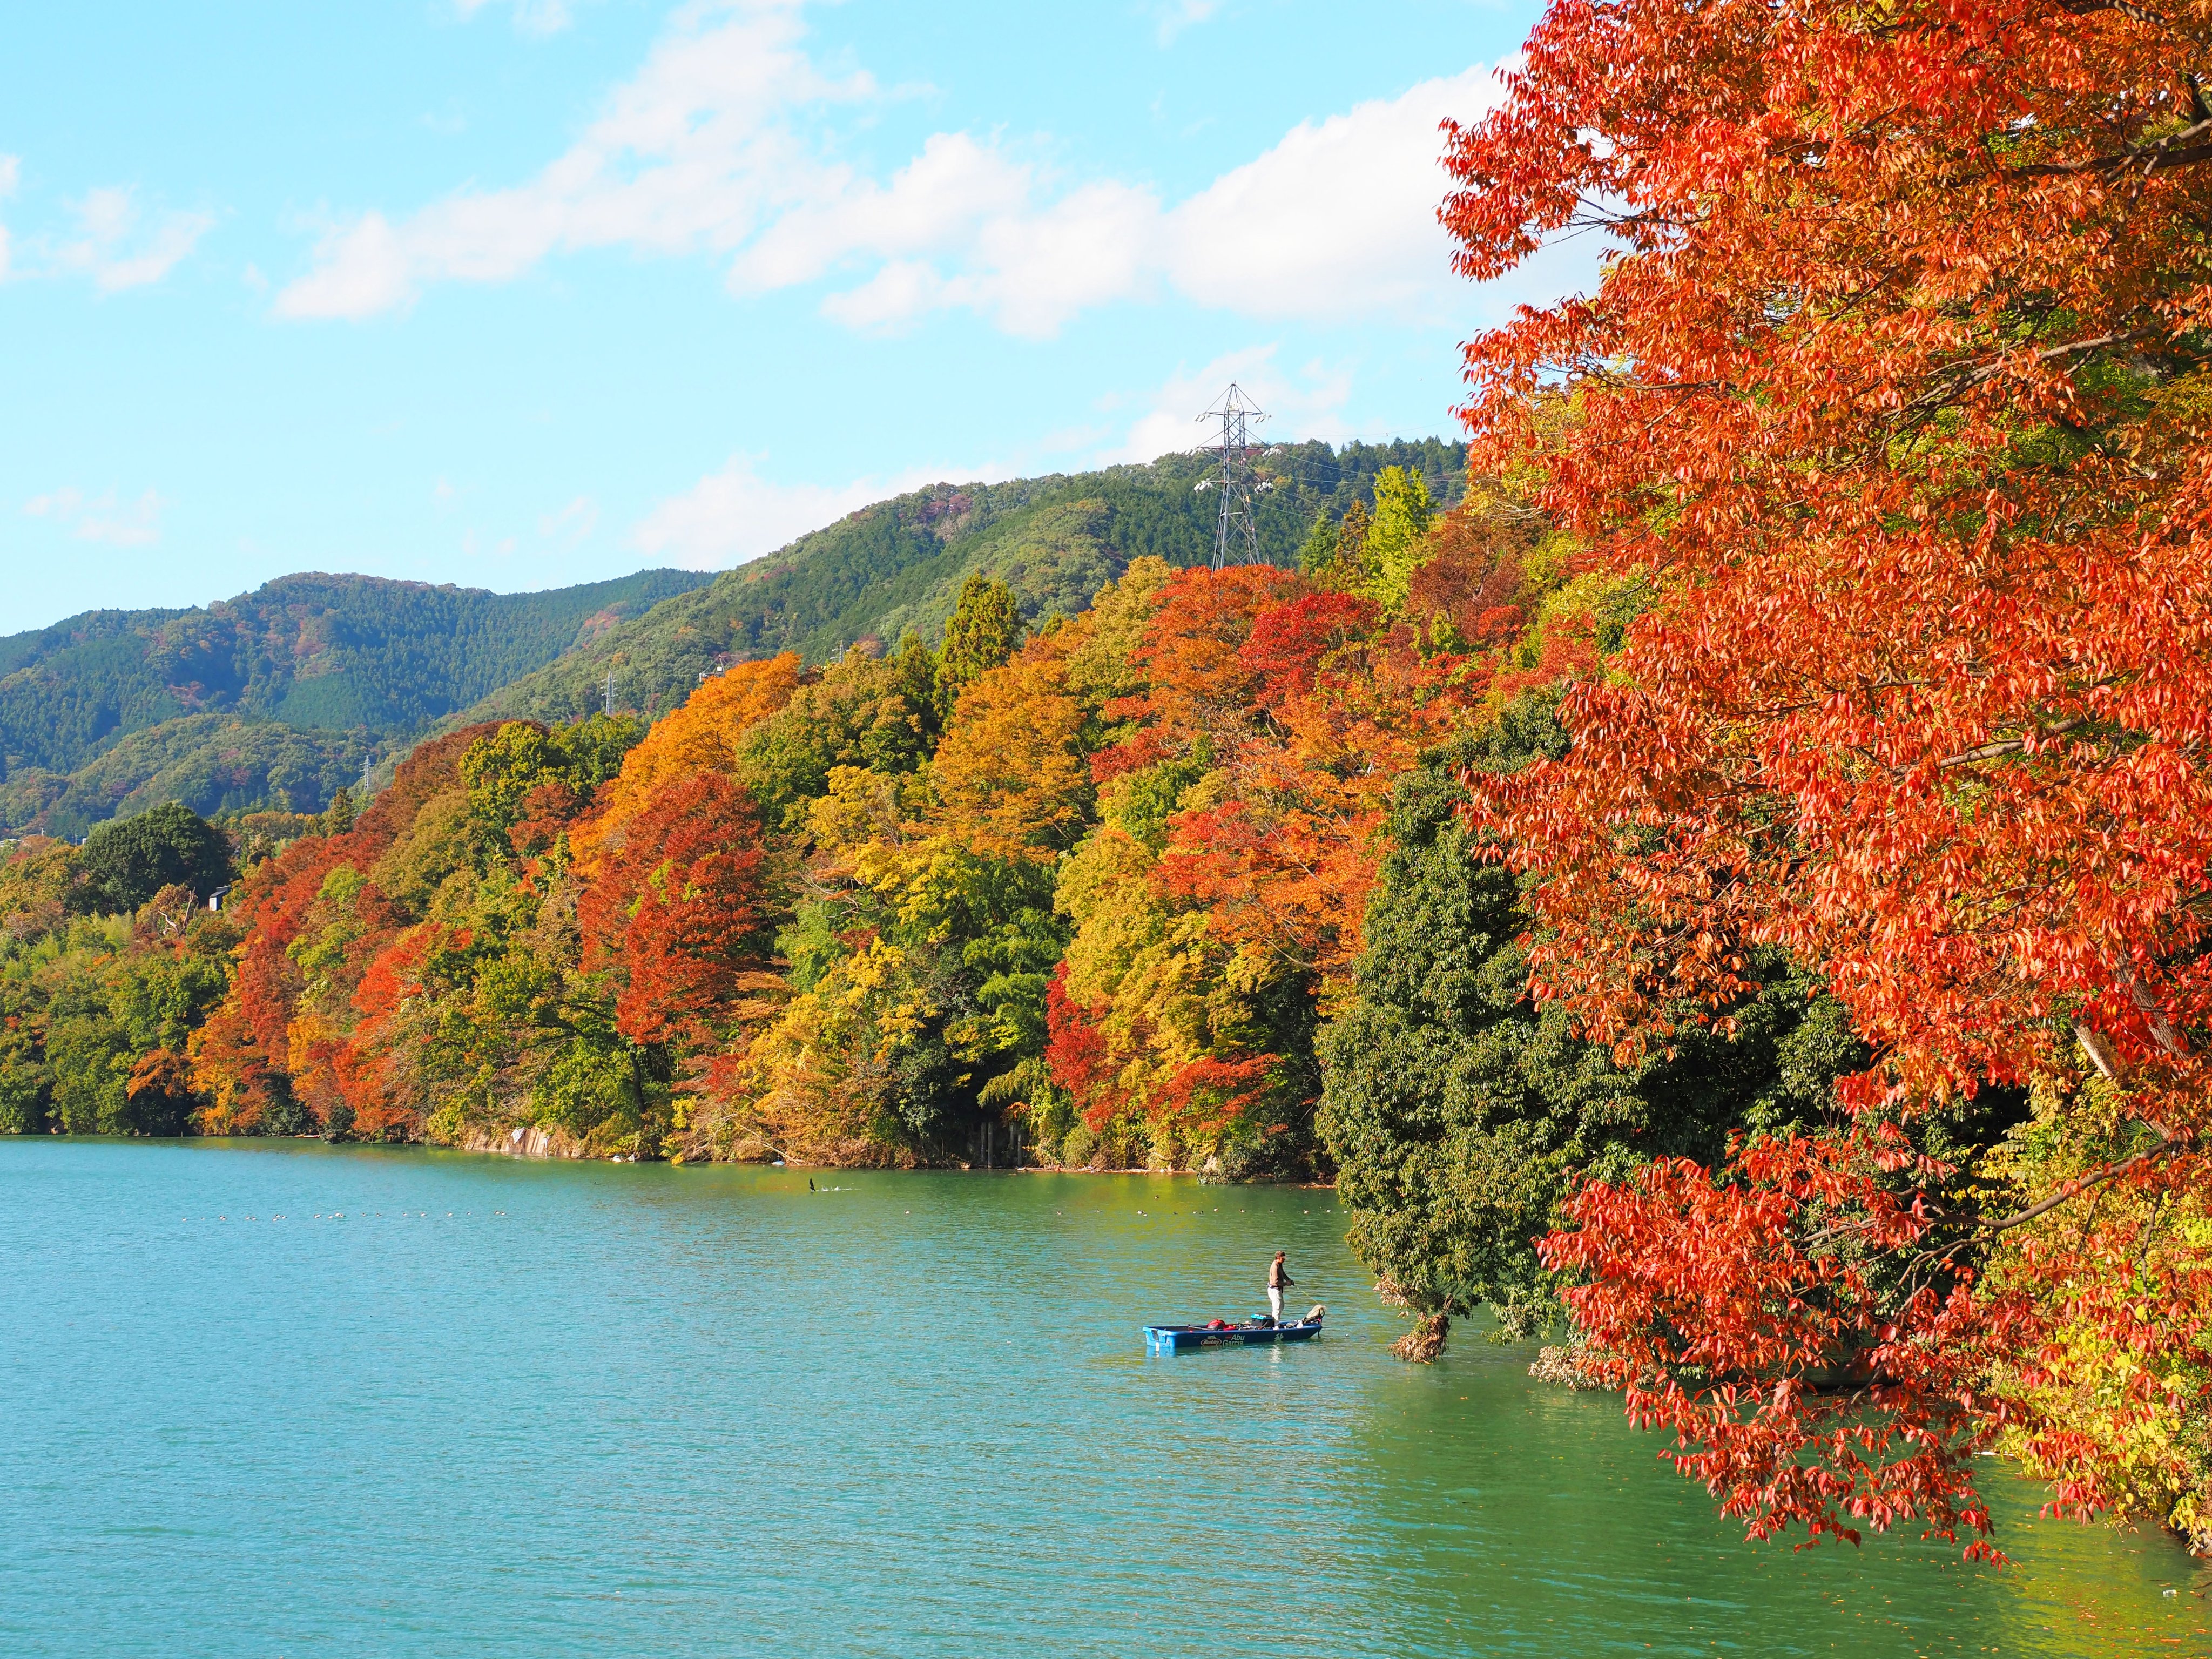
[(286, 1400)]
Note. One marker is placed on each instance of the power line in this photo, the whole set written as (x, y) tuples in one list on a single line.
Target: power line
[(1237, 415)]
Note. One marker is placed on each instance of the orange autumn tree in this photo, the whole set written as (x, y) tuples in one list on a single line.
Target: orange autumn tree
[(676, 916), (313, 923), (1894, 395), (706, 733), (1009, 776)]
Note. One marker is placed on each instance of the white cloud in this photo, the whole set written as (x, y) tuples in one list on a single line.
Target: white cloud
[(693, 153), (1301, 403), (531, 16), (573, 524), (936, 201), (1339, 217), (1180, 14), (116, 249), (734, 514), (719, 144), (104, 519)]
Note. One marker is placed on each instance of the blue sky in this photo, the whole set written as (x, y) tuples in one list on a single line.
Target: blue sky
[(520, 293)]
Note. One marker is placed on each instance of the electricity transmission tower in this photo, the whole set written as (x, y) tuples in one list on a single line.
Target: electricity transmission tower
[(1237, 415)]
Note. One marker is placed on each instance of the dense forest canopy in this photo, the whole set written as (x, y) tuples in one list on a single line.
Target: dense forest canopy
[(316, 652), (275, 698)]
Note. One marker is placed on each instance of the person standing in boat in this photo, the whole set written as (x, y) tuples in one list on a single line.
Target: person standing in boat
[(1279, 1280)]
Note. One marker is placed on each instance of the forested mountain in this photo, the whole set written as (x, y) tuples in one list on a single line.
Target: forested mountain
[(321, 651), (897, 567), (211, 763), (273, 697), (276, 698)]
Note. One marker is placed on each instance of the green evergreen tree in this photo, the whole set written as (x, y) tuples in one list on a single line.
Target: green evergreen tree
[(1458, 1109), (985, 630), (1319, 553)]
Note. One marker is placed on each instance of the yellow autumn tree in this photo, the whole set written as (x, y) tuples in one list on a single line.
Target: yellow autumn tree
[(1009, 775)]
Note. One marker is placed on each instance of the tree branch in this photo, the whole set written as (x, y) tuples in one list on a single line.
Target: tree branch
[(2074, 1189)]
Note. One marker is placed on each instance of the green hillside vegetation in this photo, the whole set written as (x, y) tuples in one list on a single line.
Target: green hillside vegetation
[(273, 699), (213, 763), (313, 651), (897, 567)]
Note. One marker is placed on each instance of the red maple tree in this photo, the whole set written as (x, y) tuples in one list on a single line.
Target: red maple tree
[(676, 910), (1892, 400)]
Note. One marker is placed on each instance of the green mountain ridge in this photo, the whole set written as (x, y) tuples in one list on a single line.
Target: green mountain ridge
[(106, 711), (278, 697), (211, 763), (896, 567)]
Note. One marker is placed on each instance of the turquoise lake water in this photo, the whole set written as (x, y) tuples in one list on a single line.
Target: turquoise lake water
[(279, 1399)]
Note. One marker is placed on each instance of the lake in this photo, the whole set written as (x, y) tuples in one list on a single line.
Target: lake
[(282, 1398)]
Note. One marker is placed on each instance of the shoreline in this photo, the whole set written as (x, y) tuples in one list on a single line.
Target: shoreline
[(488, 1146)]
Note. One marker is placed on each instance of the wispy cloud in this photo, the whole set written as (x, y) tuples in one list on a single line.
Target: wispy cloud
[(694, 153), (723, 143), (531, 16), (104, 518), (119, 247), (573, 524), (1177, 15)]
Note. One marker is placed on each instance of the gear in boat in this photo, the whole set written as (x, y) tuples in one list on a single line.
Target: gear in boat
[(1223, 1334)]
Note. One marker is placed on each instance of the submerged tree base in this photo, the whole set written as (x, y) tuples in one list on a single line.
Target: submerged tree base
[(1425, 1342)]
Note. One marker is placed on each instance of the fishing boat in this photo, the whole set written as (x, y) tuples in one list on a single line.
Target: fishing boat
[(1220, 1333)]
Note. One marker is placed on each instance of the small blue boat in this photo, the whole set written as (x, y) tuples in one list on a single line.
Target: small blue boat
[(1175, 1339)]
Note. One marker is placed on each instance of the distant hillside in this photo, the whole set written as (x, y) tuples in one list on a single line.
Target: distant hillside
[(330, 653), (896, 565), (117, 708), (211, 763), (276, 698)]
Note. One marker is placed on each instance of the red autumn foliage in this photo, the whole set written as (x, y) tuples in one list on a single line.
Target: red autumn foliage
[(245, 1054), (548, 809), (1208, 1094), (1339, 707), (1197, 683), (1746, 1316), (1288, 642), (371, 1068), (676, 912), (1893, 395), (1076, 1053), (1471, 575)]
